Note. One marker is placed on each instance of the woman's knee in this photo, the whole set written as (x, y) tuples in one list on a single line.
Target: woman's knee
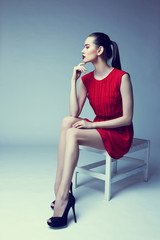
[(72, 134), (67, 122)]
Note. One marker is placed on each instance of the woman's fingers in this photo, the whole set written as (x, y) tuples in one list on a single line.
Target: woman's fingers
[(78, 70), (83, 124), (80, 66), (82, 69), (77, 124)]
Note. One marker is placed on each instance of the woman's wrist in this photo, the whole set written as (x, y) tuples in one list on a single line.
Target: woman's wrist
[(73, 84), (73, 81), (94, 125)]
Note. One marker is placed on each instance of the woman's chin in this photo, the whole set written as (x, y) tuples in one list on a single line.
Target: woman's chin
[(85, 61)]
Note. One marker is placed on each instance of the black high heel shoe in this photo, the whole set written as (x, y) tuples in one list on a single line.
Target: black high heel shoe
[(70, 191), (59, 222)]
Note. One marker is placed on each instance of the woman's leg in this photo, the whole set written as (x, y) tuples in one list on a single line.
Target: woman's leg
[(74, 138), (66, 124)]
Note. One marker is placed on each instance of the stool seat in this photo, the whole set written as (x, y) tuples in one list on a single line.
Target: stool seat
[(111, 174)]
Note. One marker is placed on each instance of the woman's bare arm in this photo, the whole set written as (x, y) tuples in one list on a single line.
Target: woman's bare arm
[(77, 98)]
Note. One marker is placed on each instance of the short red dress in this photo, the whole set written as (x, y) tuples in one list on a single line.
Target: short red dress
[(105, 99)]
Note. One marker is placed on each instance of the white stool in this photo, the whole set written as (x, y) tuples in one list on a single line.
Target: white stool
[(111, 174)]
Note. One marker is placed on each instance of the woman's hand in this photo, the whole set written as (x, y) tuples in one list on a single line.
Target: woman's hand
[(83, 124), (78, 70)]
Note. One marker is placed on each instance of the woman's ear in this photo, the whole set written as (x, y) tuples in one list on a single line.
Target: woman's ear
[(100, 50)]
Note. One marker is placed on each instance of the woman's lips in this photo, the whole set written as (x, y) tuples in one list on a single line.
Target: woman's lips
[(83, 56)]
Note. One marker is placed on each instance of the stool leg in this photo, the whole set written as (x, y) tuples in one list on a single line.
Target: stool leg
[(108, 172), (114, 168), (75, 179), (147, 152)]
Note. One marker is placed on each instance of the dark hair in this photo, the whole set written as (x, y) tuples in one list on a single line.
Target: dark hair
[(102, 39)]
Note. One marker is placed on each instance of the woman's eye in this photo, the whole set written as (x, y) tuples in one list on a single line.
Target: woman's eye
[(87, 47)]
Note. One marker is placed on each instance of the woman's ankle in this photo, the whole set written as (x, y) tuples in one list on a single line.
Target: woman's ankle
[(63, 193)]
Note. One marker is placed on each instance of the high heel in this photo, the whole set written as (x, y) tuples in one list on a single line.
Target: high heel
[(59, 222), (70, 192)]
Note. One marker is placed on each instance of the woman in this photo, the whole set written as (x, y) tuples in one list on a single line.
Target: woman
[(110, 94)]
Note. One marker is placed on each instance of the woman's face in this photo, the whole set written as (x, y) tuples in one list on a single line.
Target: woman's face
[(90, 51)]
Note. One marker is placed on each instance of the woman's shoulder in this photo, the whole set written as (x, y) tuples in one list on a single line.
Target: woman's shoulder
[(120, 73), (86, 79), (87, 76), (118, 76)]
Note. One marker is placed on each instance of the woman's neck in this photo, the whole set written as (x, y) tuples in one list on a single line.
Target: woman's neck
[(101, 68)]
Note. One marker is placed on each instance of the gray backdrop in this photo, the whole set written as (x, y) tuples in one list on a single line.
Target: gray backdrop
[(41, 41)]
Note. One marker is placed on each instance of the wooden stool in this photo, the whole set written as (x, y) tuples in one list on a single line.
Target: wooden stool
[(111, 174)]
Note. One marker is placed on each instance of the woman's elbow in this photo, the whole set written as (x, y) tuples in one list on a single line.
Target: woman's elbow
[(128, 120), (75, 115)]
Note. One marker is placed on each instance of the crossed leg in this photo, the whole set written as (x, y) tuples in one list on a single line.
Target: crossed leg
[(68, 153)]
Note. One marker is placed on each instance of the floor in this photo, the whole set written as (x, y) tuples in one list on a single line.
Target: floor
[(26, 191)]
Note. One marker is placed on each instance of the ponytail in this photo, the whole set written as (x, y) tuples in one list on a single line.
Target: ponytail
[(115, 56), (101, 39)]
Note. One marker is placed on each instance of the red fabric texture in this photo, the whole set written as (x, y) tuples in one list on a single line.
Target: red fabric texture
[(105, 99)]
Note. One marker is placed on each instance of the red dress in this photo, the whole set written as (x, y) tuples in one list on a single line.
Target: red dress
[(105, 99)]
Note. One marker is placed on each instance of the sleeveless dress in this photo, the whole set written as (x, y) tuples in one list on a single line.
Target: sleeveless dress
[(105, 99)]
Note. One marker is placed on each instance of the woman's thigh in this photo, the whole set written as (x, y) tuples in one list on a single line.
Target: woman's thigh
[(87, 137)]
